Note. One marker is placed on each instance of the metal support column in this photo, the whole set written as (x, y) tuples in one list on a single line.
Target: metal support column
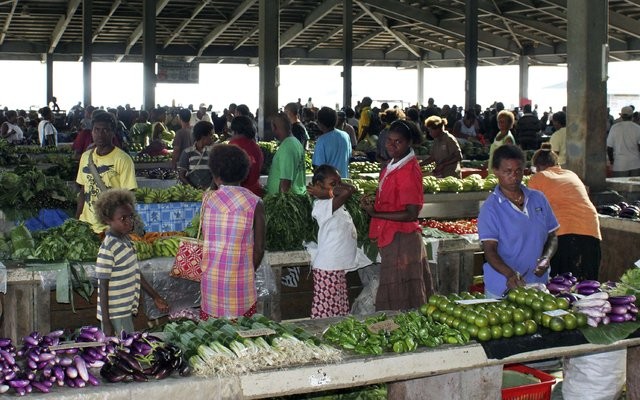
[(523, 81), (269, 60), (587, 90), (470, 52), (420, 69), (149, 54), (87, 50), (49, 60), (347, 46)]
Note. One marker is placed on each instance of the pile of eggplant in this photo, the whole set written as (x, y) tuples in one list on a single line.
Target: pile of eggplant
[(142, 356), (591, 298), (45, 361), (622, 210)]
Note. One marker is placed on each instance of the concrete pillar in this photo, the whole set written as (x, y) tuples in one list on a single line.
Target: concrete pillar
[(269, 60), (523, 81), (470, 52), (149, 54), (87, 50), (587, 90), (347, 51), (420, 94), (49, 82)]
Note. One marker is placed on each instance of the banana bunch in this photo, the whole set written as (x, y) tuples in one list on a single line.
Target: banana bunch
[(158, 196), (185, 193), (142, 193), (166, 246), (144, 250)]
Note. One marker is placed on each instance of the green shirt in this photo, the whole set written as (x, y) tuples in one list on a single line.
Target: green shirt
[(288, 163)]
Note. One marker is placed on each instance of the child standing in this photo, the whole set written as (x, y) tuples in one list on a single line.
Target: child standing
[(233, 226), (337, 243), (117, 268)]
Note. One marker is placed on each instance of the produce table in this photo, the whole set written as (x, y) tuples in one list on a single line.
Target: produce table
[(452, 205), (619, 246), (462, 372)]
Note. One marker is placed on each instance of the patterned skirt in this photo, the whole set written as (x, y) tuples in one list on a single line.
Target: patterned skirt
[(330, 294), (252, 310)]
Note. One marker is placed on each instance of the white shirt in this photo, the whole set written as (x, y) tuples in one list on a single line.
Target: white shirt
[(46, 128), (194, 118), (15, 133), (624, 138), (337, 237)]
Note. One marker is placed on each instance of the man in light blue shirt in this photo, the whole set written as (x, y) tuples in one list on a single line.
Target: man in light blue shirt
[(333, 147)]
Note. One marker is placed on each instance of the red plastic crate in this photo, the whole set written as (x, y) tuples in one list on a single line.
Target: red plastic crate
[(535, 391)]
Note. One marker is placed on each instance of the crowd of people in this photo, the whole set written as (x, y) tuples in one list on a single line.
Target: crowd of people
[(520, 227)]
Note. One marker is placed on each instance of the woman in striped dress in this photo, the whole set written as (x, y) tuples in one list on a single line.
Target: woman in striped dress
[(233, 228)]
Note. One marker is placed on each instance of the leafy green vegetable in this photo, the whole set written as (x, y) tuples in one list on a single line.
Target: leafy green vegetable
[(22, 241), (361, 220), (607, 334), (289, 221)]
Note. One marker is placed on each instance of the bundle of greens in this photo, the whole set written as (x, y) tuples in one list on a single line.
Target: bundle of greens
[(289, 221)]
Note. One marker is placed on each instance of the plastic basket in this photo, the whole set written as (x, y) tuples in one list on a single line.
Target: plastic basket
[(535, 391)]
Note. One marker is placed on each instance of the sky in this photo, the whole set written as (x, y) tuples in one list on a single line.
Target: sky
[(23, 85)]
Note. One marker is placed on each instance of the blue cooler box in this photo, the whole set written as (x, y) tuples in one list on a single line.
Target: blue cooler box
[(165, 217)]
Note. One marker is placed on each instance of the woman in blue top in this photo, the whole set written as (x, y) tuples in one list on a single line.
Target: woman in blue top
[(517, 228)]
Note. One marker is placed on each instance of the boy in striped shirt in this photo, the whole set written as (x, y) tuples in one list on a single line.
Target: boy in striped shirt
[(117, 268)]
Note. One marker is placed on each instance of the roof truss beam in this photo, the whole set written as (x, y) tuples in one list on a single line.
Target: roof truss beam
[(174, 34), (137, 33), (105, 19), (312, 18), (334, 32), (7, 21), (382, 21), (62, 24), (219, 30)]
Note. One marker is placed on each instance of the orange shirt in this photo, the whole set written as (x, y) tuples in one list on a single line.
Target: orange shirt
[(569, 201)]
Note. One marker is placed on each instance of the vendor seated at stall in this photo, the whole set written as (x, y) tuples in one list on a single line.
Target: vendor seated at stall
[(445, 151), (193, 167), (157, 147)]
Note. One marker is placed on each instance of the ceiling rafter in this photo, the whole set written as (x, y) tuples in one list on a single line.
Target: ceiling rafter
[(105, 20), (62, 24), (311, 19), (334, 32), (382, 21), (137, 32), (7, 21), (219, 30), (245, 38), (174, 34)]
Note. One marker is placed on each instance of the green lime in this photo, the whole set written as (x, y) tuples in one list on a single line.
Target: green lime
[(507, 330), (531, 326), (519, 328), (557, 324), (570, 321), (496, 332), (484, 334)]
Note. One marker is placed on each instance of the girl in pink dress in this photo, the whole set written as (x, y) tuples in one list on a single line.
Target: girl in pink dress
[(233, 228)]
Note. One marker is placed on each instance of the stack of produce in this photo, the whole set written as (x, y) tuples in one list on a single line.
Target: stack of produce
[(363, 167), (430, 184), (405, 332), (177, 193), (623, 308), (268, 151), (596, 307), (74, 240), (145, 158), (520, 313), (450, 184), (365, 186), (621, 209), (490, 182), (220, 347), (459, 227)]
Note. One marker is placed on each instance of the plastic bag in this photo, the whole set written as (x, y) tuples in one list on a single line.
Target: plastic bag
[(265, 280), (598, 376), (365, 303)]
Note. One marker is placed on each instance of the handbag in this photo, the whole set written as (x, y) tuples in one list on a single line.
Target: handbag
[(188, 261)]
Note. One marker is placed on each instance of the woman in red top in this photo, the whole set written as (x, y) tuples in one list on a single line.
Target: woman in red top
[(405, 278), (244, 136)]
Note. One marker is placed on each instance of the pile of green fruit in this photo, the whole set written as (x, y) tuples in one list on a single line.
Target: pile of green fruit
[(144, 250), (166, 246), (519, 314), (145, 158), (362, 167), (177, 193), (365, 186)]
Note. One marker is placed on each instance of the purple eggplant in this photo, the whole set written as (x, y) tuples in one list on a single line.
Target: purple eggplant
[(588, 284), (86, 337), (71, 372), (81, 367), (5, 342), (80, 382), (58, 372), (7, 357), (30, 341), (619, 310), (556, 288), (41, 387), (70, 382), (65, 361), (18, 383), (93, 380), (586, 291), (621, 300), (129, 360), (32, 364), (616, 318)]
